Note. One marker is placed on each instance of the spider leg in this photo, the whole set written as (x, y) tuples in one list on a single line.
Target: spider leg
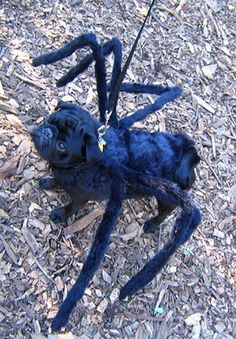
[(186, 223), (133, 87), (168, 95), (83, 40), (96, 253), (111, 46), (87, 39)]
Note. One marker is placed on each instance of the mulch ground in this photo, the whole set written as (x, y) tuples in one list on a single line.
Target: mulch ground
[(189, 43)]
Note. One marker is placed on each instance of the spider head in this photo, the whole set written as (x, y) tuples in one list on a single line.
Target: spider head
[(68, 138)]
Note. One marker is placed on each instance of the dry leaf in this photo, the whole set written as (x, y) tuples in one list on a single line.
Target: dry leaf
[(9, 168)]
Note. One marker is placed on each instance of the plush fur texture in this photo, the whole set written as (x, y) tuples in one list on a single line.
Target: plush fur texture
[(135, 163)]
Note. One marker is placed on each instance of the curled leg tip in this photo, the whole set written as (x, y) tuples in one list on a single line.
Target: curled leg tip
[(126, 291), (122, 294), (58, 323)]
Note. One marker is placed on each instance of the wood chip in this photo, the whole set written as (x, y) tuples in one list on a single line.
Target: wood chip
[(209, 71), (9, 168), (193, 319), (24, 147), (9, 250), (29, 238), (83, 222), (31, 82), (204, 104), (102, 306), (14, 121), (7, 108)]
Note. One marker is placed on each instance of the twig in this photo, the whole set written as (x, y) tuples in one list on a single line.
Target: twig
[(44, 272), (132, 209), (143, 317), (212, 170), (31, 82)]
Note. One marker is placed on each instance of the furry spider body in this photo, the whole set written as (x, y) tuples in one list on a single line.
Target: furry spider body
[(134, 164)]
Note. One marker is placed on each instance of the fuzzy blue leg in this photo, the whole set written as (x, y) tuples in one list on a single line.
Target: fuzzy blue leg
[(108, 48), (135, 88), (100, 69), (88, 39), (186, 223), (112, 46), (96, 253), (168, 95)]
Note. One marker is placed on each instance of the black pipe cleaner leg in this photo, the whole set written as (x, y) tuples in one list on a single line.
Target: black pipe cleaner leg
[(112, 46), (96, 253), (186, 223), (87, 39), (100, 69), (108, 47), (169, 95)]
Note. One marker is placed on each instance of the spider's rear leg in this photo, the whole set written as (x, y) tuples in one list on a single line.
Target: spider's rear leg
[(184, 177), (164, 210)]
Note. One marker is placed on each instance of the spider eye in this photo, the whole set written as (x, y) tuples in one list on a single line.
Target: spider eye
[(61, 146)]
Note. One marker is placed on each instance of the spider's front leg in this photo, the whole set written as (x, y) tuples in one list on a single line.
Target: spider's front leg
[(111, 46), (97, 250)]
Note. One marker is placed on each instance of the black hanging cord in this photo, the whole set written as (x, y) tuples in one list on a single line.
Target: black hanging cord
[(114, 95)]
